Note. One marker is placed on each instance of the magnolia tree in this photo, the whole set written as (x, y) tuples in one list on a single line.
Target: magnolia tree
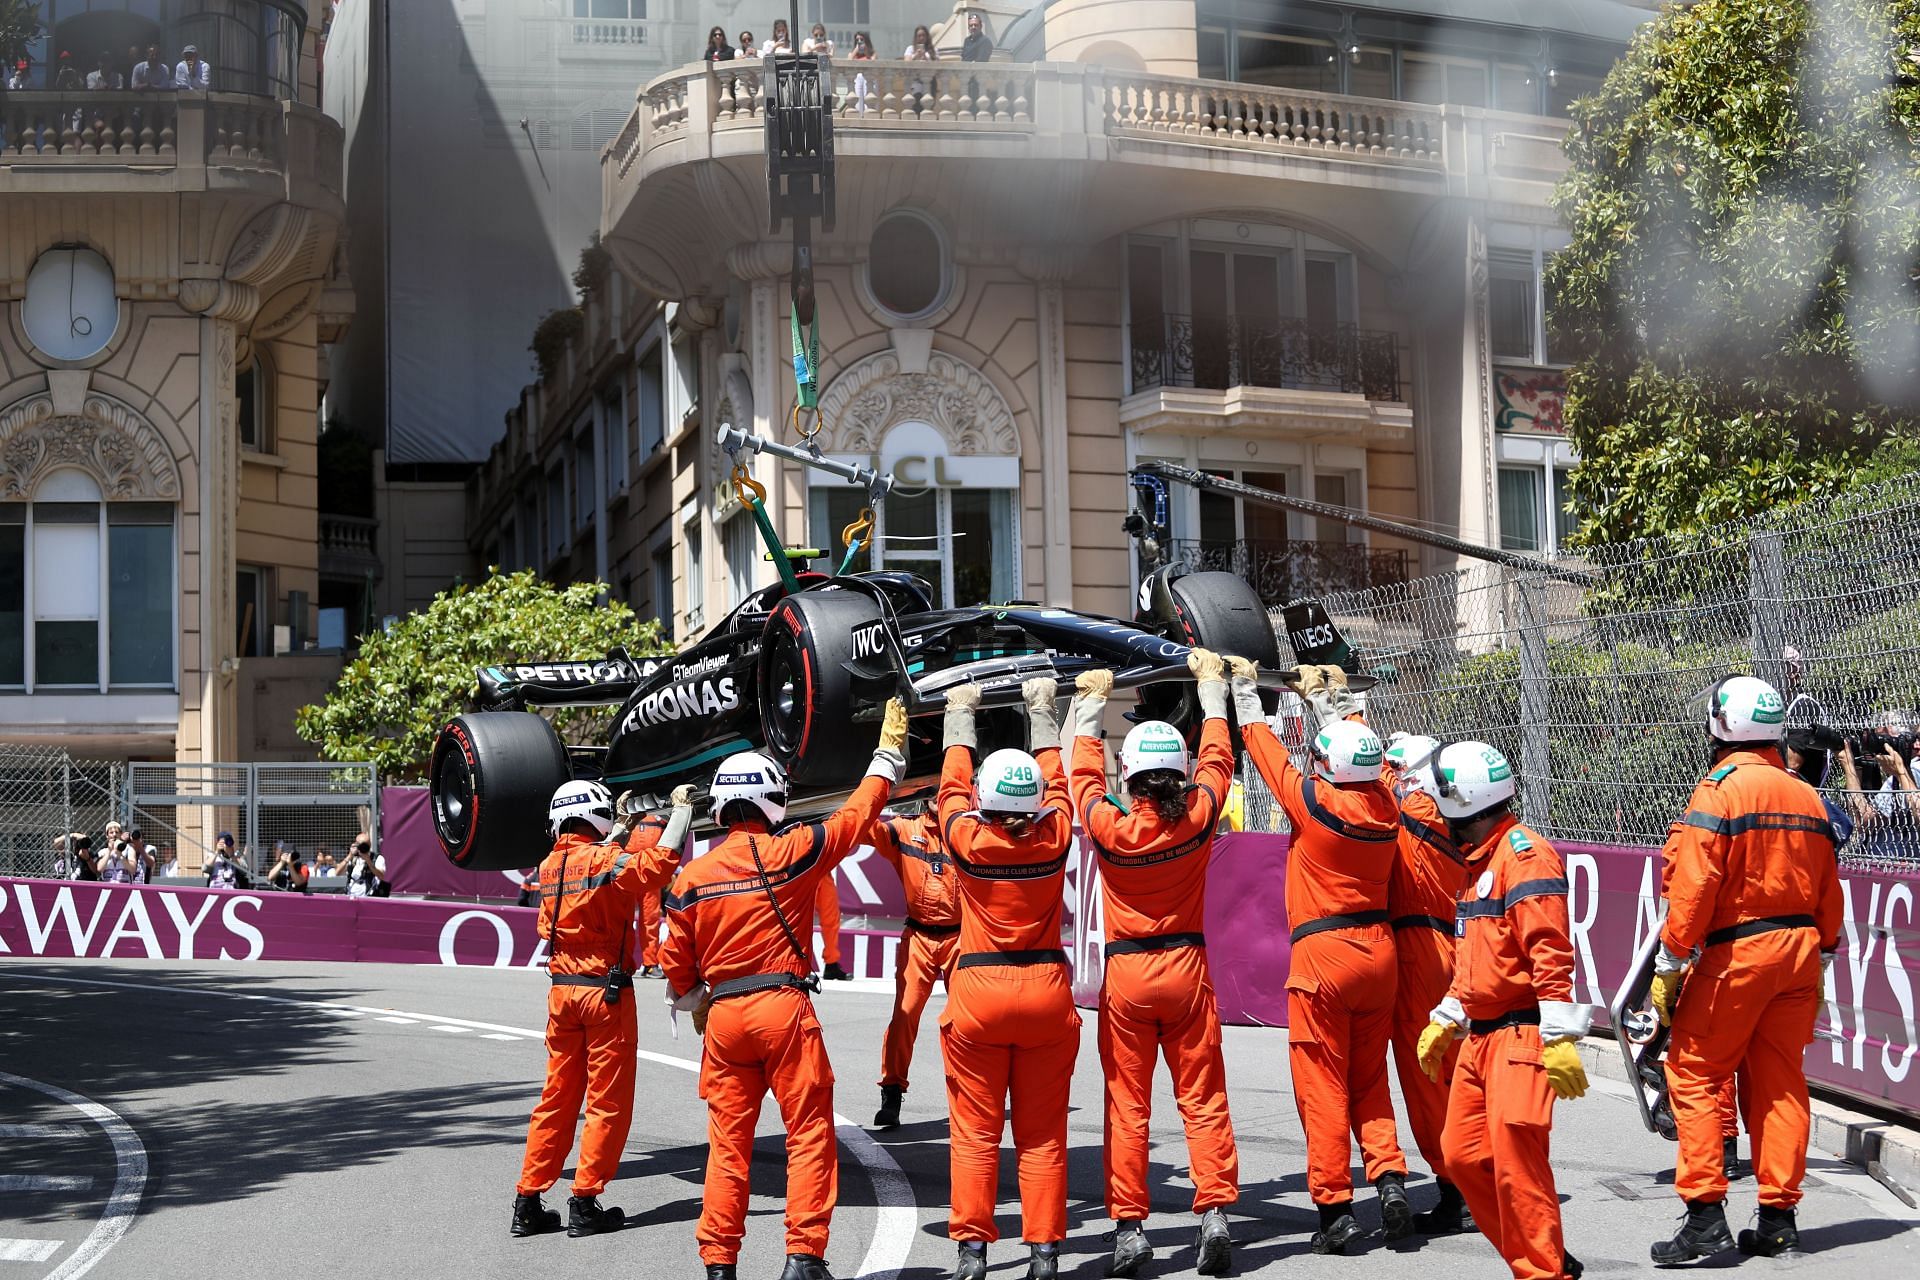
[(412, 678), (20, 27), (1744, 203)]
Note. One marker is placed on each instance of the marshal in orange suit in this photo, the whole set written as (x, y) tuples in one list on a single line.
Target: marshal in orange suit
[(928, 942)]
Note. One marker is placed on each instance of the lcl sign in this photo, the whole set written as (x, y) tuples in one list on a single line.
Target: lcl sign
[(915, 455)]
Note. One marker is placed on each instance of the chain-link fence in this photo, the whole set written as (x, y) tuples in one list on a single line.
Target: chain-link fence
[(179, 809), (1591, 678)]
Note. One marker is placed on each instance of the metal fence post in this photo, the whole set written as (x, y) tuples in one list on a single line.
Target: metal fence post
[(1530, 592), (1766, 595), (251, 772)]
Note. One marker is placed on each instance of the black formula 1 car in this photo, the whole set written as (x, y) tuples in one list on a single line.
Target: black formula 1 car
[(804, 676)]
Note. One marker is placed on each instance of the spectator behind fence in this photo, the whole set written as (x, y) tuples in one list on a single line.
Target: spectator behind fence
[(289, 873), (116, 864), (862, 47), (153, 73), (921, 50), (817, 41), (104, 77), (73, 857), (1812, 764), (67, 78), (747, 49), (1881, 794), (780, 42), (192, 73), (169, 862), (978, 46), (145, 864), (226, 870), (113, 834), (358, 868)]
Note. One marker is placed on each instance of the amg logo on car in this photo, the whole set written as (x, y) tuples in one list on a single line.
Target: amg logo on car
[(704, 698), (869, 642)]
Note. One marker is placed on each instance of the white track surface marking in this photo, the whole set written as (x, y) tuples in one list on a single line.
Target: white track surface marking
[(29, 1250), (129, 1177), (896, 1216)]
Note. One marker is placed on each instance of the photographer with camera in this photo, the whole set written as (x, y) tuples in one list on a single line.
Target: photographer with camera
[(590, 887), (1881, 796)]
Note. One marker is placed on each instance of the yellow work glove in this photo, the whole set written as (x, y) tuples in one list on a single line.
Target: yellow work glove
[(1333, 677), (893, 728), (625, 807), (1242, 668), (1310, 680), (683, 796), (1434, 1043), (1206, 665), (700, 1017), (1097, 683), (1564, 1071), (1664, 991)]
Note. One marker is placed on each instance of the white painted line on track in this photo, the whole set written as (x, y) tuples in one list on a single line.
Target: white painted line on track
[(897, 1215), (29, 1250), (441, 1026), (129, 1176), (45, 1182), (397, 1021), (495, 1035), (41, 1131)]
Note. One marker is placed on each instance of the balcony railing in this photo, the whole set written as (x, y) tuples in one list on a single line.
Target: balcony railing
[(1242, 115), (347, 545), (1214, 352), (1284, 571)]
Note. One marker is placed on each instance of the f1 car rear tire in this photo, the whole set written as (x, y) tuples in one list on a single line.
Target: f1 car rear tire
[(492, 776), (1222, 613), (807, 695)]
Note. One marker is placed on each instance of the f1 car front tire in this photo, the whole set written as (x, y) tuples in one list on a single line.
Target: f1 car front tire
[(807, 696), (492, 776)]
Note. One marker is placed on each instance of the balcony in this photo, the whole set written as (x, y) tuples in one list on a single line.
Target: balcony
[(1216, 352), (348, 549), (249, 46), (1281, 572)]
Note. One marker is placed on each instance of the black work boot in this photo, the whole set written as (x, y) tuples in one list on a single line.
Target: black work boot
[(834, 973), (1337, 1228), (1571, 1267), (531, 1218), (972, 1263), (1775, 1234), (1396, 1215), (1449, 1217), (1213, 1250), (722, 1271), (585, 1217), (1043, 1262), (804, 1266), (1730, 1159), (888, 1116), (1130, 1248), (1703, 1233)]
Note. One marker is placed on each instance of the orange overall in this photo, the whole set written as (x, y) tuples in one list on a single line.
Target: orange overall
[(1009, 1027), (1756, 886), (826, 908), (650, 929), (722, 930), (1513, 951), (1158, 995), (588, 894), (912, 848), (1426, 880), (1733, 1093), (1340, 981)]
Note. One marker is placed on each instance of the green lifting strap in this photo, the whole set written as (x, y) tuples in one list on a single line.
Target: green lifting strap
[(806, 363), (772, 539)]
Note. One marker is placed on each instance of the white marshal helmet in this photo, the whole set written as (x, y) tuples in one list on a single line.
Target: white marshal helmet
[(1746, 709), (590, 802), (1347, 751), (1471, 778), (1009, 781), (1412, 755), (1153, 745), (752, 777)]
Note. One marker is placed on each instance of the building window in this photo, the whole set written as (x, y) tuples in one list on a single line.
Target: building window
[(1534, 502), (696, 568), (743, 557), (140, 593), (1516, 297), (610, 8), (251, 394), (584, 505), (963, 541), (663, 584), (613, 427), (13, 594), (253, 593), (1563, 87), (908, 270), (556, 511), (1288, 62), (652, 404)]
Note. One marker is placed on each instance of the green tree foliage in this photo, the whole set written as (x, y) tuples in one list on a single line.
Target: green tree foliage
[(1743, 282), (20, 26), (411, 679)]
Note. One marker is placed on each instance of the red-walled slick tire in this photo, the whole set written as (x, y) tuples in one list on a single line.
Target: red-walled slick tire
[(807, 695), (490, 780)]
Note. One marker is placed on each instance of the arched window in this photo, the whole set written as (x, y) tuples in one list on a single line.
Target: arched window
[(87, 590)]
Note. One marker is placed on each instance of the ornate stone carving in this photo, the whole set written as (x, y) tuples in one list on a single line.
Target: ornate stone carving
[(873, 396), (120, 449), (219, 299)]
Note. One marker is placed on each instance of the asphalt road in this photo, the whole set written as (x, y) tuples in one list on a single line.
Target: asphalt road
[(162, 1120)]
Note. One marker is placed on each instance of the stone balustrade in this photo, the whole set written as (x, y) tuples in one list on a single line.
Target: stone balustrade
[(44, 126), (941, 94), (1252, 116)]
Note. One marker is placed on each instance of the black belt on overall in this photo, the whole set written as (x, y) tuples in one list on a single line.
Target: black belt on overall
[(982, 959), (1440, 923), (1157, 942), (1325, 924), (932, 930), (602, 980), (762, 982), (1529, 1017), (1766, 924)]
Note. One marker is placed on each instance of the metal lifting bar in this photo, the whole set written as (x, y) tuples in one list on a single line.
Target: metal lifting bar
[(1359, 520), (735, 441)]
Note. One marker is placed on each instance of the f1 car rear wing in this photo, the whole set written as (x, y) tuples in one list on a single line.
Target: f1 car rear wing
[(607, 681)]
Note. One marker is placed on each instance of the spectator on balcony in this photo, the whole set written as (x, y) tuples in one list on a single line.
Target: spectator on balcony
[(817, 41), (978, 46), (22, 77), (718, 50), (192, 73), (781, 42), (921, 50), (747, 49), (154, 73), (862, 47), (67, 78), (104, 77)]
